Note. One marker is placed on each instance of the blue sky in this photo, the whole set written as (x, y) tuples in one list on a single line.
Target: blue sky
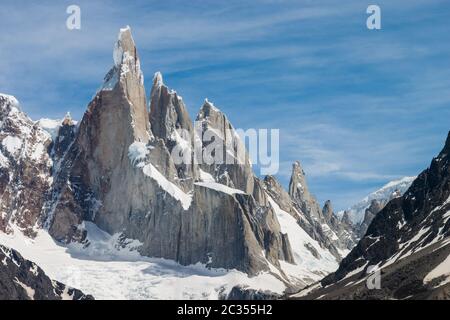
[(357, 107)]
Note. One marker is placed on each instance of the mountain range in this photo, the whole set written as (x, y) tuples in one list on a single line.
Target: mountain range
[(405, 251), (107, 195)]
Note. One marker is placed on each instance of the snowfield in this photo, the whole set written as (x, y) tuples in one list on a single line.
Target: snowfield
[(107, 272), (308, 268), (357, 211)]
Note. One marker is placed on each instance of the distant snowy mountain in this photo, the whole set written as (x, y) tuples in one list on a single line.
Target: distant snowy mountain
[(405, 253), (52, 126), (383, 195)]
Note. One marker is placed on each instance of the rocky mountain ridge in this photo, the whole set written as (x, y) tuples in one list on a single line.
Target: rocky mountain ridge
[(21, 279), (361, 214), (25, 167), (407, 246), (118, 168)]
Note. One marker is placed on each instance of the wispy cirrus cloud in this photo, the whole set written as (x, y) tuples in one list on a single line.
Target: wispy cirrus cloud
[(356, 107)]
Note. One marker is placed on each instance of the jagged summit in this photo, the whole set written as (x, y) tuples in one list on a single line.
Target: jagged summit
[(124, 46), (158, 82), (158, 79), (211, 105), (127, 67), (206, 109), (326, 225), (298, 187), (170, 122), (297, 182), (236, 168), (167, 111), (327, 210), (67, 121), (446, 149)]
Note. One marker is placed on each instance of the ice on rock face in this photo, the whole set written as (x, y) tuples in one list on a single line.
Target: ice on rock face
[(125, 60), (51, 126), (4, 162), (307, 264), (6, 99), (137, 152), (211, 105), (12, 144), (118, 52), (158, 79), (124, 44)]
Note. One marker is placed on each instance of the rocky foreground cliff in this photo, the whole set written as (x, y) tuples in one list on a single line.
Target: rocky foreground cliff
[(405, 252), (21, 279)]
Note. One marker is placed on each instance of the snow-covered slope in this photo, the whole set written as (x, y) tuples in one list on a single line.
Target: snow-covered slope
[(384, 194), (408, 242), (312, 262), (110, 268), (21, 279)]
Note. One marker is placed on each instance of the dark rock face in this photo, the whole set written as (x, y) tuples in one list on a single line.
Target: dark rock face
[(21, 279), (65, 137), (403, 280), (327, 210), (407, 239)]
